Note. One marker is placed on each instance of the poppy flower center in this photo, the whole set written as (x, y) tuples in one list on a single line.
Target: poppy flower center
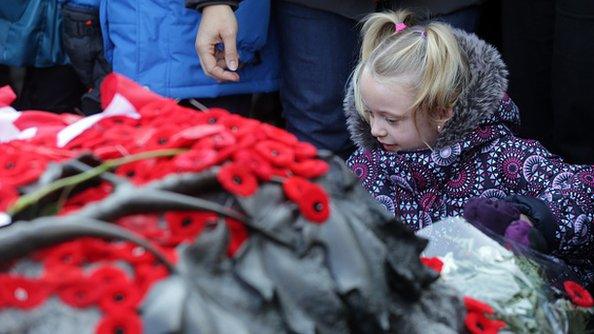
[(162, 141), (212, 120), (274, 153), (10, 165), (119, 330), (318, 206), (119, 297), (237, 179), (187, 221)]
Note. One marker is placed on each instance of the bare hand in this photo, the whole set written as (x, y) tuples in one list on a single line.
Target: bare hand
[(218, 25)]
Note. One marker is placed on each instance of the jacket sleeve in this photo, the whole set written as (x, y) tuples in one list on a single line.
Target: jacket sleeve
[(199, 4), (568, 192)]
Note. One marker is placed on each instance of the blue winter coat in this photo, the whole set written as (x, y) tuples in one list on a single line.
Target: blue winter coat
[(30, 33), (152, 42), (477, 154)]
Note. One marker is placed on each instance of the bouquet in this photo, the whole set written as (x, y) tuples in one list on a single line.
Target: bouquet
[(512, 283)]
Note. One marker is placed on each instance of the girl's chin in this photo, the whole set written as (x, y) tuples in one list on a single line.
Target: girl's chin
[(390, 148)]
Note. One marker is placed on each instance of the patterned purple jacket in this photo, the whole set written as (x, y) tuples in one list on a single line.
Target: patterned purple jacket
[(478, 154)]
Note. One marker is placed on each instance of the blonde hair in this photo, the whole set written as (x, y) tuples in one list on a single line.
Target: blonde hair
[(426, 58)]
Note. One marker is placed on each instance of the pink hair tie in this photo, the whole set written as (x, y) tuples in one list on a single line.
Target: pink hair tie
[(400, 26)]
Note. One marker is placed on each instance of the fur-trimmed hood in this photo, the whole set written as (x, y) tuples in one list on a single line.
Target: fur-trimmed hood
[(477, 105)]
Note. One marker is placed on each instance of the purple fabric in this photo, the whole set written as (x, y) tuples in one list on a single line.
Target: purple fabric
[(519, 231), (496, 215), (422, 187)]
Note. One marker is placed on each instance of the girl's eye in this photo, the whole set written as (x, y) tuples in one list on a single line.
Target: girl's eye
[(391, 121)]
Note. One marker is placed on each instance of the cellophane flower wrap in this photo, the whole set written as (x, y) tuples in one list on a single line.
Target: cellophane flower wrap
[(523, 288)]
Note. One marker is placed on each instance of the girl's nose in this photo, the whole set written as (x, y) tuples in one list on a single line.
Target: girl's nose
[(376, 129)]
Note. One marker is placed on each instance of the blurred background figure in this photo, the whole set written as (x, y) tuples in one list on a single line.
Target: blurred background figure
[(548, 46)]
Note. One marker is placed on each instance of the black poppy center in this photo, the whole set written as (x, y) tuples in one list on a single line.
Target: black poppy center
[(119, 297), (274, 153), (187, 221), (212, 120), (9, 165), (237, 179), (162, 141), (119, 330), (318, 206)]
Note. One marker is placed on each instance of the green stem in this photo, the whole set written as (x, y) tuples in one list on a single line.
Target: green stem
[(29, 199)]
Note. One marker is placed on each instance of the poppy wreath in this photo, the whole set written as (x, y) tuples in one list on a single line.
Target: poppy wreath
[(157, 218)]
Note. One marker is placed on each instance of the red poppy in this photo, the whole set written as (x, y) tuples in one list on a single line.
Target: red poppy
[(189, 224), (58, 278), (277, 153), (294, 187), (109, 275), (162, 139), (578, 294), (260, 167), (123, 322), (237, 180), (111, 152), (473, 305), (139, 223), (118, 297), (310, 168), (96, 249), (432, 262), (277, 134), (314, 204), (23, 293), (82, 293), (157, 110), (65, 254), (195, 160), (239, 126), (133, 253), (119, 120), (20, 168), (478, 323), (197, 132), (304, 151), (214, 115), (238, 235)]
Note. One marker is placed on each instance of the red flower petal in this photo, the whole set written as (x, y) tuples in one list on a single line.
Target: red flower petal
[(477, 323), (65, 254), (123, 322), (8, 195), (23, 293), (237, 180), (473, 305), (118, 297), (277, 153), (195, 160), (109, 275), (432, 262), (277, 134), (81, 293), (294, 187), (304, 151), (214, 115), (310, 168), (578, 294), (314, 204), (188, 224), (256, 164), (238, 235)]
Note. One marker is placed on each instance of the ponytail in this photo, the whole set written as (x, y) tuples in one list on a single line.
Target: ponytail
[(379, 26), (427, 59)]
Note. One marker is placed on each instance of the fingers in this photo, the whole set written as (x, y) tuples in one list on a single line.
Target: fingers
[(229, 41), (218, 24)]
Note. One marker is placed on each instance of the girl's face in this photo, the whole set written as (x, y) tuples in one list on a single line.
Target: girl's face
[(391, 119)]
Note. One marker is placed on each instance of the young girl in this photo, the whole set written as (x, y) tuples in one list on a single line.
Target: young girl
[(427, 109)]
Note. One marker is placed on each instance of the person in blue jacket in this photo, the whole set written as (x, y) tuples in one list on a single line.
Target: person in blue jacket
[(152, 42), (30, 38)]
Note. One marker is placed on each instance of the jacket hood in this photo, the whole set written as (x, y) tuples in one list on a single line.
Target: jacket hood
[(477, 105)]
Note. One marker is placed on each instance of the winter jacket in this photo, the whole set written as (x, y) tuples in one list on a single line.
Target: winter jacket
[(152, 42), (477, 154), (30, 33)]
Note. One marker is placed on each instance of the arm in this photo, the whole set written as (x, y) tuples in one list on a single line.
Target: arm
[(217, 25)]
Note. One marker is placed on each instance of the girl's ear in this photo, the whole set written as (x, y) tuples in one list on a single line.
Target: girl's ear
[(444, 115)]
